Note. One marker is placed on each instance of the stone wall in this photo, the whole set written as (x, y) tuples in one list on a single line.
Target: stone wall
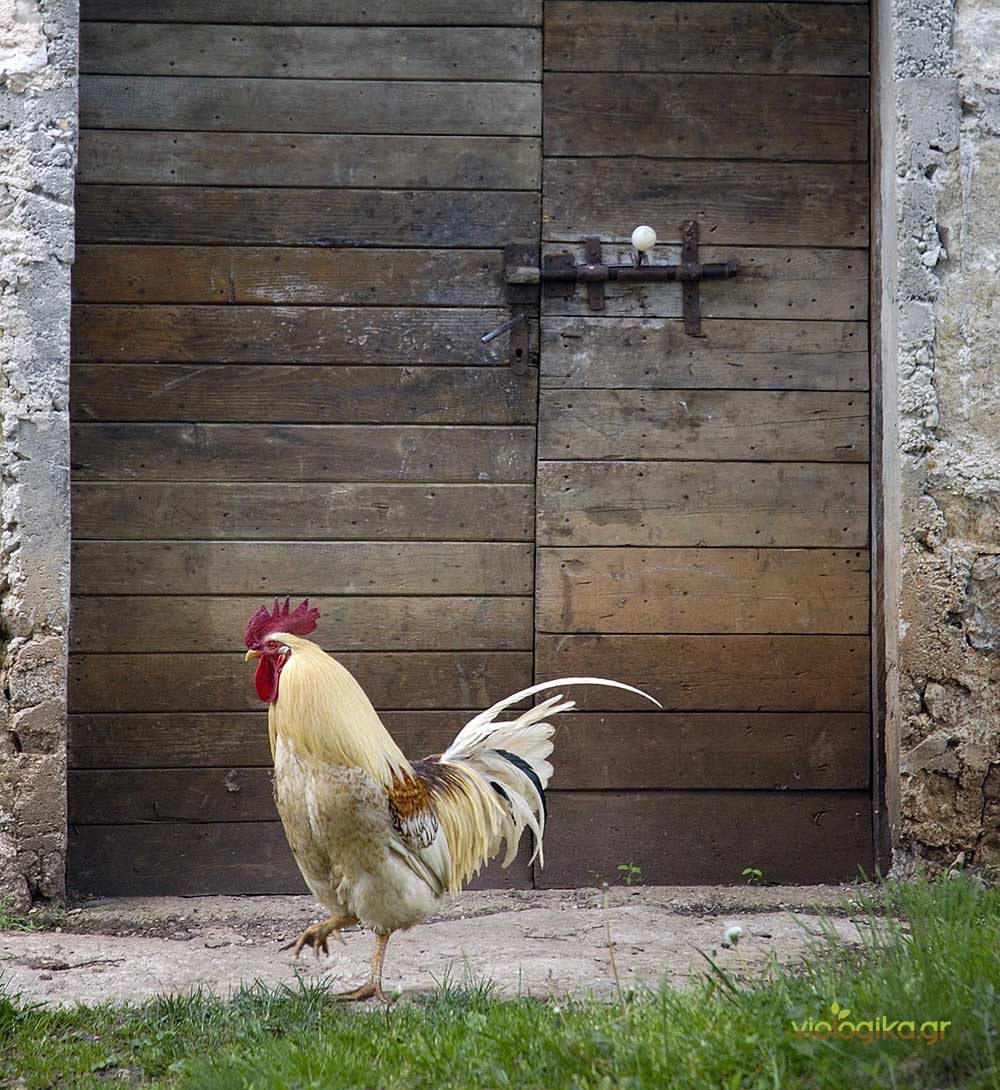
[(38, 54), (944, 298)]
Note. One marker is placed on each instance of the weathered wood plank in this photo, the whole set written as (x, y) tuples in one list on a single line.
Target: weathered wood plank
[(222, 682), (741, 203), (302, 512), (303, 217), (308, 159), (686, 838), (615, 751), (193, 859), (302, 567), (275, 394), (690, 503), (302, 452), (774, 282), (781, 39), (206, 104), (594, 750), (765, 425), (356, 623), (312, 52), (703, 590), (222, 739), (655, 353), (716, 673), (289, 275), (711, 116), (322, 12), (209, 334)]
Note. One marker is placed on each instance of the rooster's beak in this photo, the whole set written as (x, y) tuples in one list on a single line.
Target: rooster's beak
[(251, 655)]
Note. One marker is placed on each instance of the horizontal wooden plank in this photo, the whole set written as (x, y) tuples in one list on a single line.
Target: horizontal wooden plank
[(772, 282), (735, 203), (355, 623), (207, 104), (190, 860), (302, 512), (711, 116), (765, 425), (215, 215), (778, 39), (222, 739), (612, 751), (208, 334), (687, 838), (312, 52), (275, 394), (716, 673), (690, 503), (308, 159), (222, 682), (594, 750), (703, 590), (302, 567), (290, 275), (322, 12), (303, 452), (656, 353)]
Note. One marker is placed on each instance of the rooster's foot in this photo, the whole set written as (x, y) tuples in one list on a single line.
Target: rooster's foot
[(371, 990), (316, 936)]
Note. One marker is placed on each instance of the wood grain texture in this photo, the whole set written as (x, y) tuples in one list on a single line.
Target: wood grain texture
[(780, 39), (682, 838), (594, 750), (222, 739), (213, 215), (302, 452), (735, 203), (716, 673), (207, 104), (655, 353), (104, 683), (322, 12), (275, 394), (620, 751), (774, 282), (288, 275), (758, 425), (703, 590), (191, 860), (309, 159), (716, 504), (711, 116), (302, 567), (312, 52), (355, 623), (302, 512), (359, 335)]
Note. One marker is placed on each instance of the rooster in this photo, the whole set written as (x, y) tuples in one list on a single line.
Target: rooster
[(379, 838)]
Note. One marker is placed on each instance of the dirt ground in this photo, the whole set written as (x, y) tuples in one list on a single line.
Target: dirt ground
[(534, 942)]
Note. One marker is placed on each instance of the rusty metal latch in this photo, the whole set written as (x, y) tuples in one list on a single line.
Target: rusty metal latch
[(559, 275)]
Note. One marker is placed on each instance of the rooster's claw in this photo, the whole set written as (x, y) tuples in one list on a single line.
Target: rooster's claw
[(317, 934)]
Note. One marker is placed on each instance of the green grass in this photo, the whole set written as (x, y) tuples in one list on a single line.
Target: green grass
[(934, 957)]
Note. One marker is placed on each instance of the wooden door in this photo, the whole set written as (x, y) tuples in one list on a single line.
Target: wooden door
[(703, 502), (291, 223)]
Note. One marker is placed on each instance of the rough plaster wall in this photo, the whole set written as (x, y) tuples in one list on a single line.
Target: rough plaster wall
[(38, 40), (946, 61)]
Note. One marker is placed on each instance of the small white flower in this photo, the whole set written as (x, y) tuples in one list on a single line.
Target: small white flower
[(733, 934)]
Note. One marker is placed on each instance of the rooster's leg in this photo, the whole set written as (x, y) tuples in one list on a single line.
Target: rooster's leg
[(316, 935), (373, 988)]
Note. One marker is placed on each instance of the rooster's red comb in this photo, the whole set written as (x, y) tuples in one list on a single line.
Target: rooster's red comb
[(300, 622)]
